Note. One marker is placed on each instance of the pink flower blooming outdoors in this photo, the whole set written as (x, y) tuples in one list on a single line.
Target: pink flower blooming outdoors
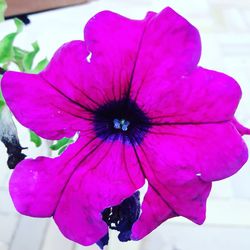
[(144, 111)]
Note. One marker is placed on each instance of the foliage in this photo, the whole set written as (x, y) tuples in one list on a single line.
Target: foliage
[(61, 145), (24, 59), (3, 7), (35, 139)]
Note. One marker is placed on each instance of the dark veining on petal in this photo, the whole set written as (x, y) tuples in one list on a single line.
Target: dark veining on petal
[(123, 216), (128, 92), (85, 108), (121, 120), (187, 123), (86, 156), (150, 183)]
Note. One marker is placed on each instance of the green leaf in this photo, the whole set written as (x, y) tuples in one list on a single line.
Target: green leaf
[(40, 66), (2, 102), (19, 53), (35, 139), (19, 25), (24, 59), (3, 7), (62, 150), (28, 58), (6, 44), (6, 50), (61, 143), (18, 57)]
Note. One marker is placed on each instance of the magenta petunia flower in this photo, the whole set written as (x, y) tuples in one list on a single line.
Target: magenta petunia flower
[(144, 111)]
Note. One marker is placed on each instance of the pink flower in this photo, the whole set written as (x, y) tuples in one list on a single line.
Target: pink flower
[(144, 111)]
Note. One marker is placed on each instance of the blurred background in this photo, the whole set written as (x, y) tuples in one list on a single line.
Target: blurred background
[(224, 26)]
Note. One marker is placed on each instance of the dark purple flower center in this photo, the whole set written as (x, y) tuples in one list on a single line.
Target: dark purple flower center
[(121, 120)]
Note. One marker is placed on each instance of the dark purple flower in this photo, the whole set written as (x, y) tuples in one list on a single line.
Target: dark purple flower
[(144, 111)]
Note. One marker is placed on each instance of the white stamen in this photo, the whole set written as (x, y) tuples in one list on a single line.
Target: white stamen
[(117, 124), (124, 124), (198, 174), (124, 127), (121, 124)]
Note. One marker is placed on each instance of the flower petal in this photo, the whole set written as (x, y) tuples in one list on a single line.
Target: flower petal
[(80, 76), (216, 151), (107, 179), (42, 107), (242, 130), (154, 212), (136, 51), (77, 186), (169, 197), (189, 200), (36, 185), (71, 72), (182, 162), (170, 48), (204, 96), (173, 190), (114, 43)]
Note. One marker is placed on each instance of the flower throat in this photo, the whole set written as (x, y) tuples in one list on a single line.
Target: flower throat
[(121, 120)]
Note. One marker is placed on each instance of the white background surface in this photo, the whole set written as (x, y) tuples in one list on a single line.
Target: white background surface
[(225, 30)]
